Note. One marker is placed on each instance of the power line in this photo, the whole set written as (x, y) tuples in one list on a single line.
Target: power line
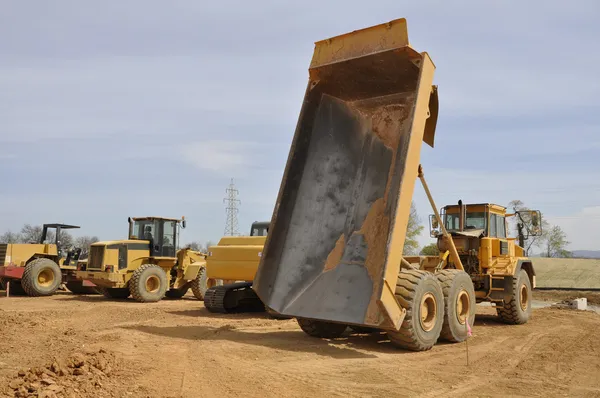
[(231, 210)]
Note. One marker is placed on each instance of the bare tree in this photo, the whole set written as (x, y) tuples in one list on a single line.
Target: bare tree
[(10, 237), (32, 234), (85, 242), (197, 246)]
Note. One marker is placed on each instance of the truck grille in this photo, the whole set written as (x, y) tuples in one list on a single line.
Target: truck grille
[(96, 257), (3, 248)]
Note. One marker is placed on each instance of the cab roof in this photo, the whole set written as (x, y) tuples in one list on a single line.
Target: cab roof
[(62, 226), (154, 218)]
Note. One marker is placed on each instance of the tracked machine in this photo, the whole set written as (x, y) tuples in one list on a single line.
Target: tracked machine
[(234, 261), (333, 257)]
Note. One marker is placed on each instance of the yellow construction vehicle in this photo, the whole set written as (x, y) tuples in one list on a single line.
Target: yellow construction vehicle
[(147, 266), (234, 261), (39, 268), (496, 264), (333, 257)]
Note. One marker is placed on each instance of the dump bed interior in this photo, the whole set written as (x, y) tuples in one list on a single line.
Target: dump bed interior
[(335, 245)]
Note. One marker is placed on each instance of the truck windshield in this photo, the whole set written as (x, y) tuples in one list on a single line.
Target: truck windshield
[(473, 221), (145, 229)]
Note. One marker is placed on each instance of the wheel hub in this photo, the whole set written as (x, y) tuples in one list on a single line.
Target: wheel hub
[(463, 306), (152, 284), (428, 312), (524, 297), (45, 277)]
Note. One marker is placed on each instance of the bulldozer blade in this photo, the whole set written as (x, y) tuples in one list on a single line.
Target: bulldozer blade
[(335, 245)]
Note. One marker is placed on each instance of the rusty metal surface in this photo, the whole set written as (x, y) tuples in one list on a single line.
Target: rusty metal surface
[(326, 256)]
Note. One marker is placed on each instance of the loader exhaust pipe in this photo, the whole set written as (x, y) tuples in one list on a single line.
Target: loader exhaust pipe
[(462, 215)]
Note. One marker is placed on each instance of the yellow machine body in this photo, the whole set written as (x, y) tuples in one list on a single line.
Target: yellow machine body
[(234, 258)]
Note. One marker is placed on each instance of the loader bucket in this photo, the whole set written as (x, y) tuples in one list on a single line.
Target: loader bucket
[(334, 249)]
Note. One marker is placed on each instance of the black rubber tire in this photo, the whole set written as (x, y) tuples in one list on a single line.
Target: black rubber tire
[(137, 283), (177, 293), (322, 329), (412, 287), (114, 292), (363, 329), (454, 282), (199, 286), (76, 287), (512, 312), (30, 280), (16, 289)]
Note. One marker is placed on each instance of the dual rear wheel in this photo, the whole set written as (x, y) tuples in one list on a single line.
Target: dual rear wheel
[(436, 306)]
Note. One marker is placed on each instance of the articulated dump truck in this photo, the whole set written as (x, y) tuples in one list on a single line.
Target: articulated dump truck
[(333, 257)]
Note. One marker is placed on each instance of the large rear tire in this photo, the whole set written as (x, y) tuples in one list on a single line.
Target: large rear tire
[(459, 304), (420, 293), (42, 277), (322, 329), (199, 284), (148, 284), (76, 287), (114, 292), (517, 310)]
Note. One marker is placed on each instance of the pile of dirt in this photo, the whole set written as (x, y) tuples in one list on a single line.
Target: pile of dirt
[(80, 375)]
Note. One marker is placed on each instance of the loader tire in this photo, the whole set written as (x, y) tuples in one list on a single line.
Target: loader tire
[(459, 304), (177, 293), (42, 277), (148, 283), (420, 294), (114, 292), (326, 330), (76, 287), (199, 285), (517, 310)]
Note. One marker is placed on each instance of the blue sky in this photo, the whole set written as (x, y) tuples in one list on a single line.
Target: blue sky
[(112, 109)]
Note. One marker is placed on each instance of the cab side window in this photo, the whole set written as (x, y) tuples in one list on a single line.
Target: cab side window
[(500, 226), (493, 229)]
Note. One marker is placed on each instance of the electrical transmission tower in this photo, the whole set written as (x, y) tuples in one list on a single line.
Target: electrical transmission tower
[(231, 210)]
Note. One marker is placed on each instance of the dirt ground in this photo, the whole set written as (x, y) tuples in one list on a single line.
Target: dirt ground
[(88, 346)]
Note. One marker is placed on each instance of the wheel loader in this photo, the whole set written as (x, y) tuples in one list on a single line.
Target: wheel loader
[(146, 266), (234, 261), (333, 258), (38, 269)]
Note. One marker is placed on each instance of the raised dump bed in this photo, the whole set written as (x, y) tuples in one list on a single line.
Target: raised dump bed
[(334, 249)]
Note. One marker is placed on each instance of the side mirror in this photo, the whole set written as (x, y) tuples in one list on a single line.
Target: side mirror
[(536, 223), (183, 224), (129, 220), (434, 226)]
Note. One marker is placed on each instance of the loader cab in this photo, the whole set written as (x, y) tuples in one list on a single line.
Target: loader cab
[(259, 228), (161, 233), (486, 219)]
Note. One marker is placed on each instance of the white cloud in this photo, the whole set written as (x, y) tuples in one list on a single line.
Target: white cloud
[(224, 157)]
